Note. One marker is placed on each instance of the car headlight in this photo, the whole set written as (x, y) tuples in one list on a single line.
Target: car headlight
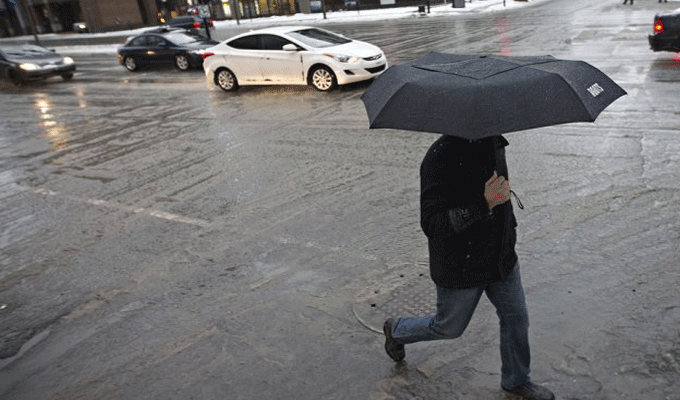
[(68, 60), (28, 66), (343, 58)]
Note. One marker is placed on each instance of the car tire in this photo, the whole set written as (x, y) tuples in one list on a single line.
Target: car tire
[(67, 76), (323, 79), (182, 62), (130, 64), (226, 80)]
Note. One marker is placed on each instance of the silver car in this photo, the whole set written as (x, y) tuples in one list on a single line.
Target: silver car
[(22, 63)]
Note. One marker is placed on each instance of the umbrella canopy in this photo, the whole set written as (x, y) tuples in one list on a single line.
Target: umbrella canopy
[(473, 96)]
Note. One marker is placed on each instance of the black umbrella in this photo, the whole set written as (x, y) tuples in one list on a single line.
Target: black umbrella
[(473, 96)]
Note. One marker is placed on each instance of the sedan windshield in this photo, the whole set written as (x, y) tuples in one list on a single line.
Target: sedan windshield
[(318, 38), (25, 51)]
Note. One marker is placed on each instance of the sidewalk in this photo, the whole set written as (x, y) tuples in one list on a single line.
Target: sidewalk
[(390, 13), (108, 41)]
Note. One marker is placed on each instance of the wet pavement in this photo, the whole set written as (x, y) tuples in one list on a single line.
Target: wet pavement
[(164, 239)]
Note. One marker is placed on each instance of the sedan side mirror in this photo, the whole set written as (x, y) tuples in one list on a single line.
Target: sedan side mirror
[(290, 47)]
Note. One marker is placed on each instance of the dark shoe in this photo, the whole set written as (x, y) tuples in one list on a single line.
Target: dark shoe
[(393, 348), (531, 391)]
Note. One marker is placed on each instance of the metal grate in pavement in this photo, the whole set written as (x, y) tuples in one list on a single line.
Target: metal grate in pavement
[(416, 297)]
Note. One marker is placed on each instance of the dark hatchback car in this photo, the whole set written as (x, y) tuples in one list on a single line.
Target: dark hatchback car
[(188, 22), (666, 35), (28, 62), (183, 49)]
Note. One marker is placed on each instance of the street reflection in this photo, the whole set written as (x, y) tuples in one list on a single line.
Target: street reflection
[(43, 107), (54, 130), (80, 94), (502, 33)]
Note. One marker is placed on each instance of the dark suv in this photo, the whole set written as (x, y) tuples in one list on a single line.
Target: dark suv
[(188, 22), (666, 35)]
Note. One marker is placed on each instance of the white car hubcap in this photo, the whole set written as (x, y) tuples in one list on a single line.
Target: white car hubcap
[(226, 80), (182, 62), (130, 63), (322, 79)]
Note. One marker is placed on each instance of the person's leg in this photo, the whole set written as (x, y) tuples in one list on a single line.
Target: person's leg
[(508, 298), (454, 311)]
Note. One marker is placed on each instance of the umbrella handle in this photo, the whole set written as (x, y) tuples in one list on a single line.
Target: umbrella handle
[(519, 202)]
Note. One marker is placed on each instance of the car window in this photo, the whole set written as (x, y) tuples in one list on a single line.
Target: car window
[(250, 42), (11, 52), (318, 38), (273, 42), (156, 41), (138, 42)]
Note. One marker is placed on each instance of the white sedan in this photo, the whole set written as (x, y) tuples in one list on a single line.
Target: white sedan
[(292, 56)]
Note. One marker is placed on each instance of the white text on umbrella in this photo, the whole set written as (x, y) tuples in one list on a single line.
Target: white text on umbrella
[(595, 90)]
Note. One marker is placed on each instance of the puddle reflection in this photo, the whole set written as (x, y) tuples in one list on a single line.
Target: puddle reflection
[(54, 130)]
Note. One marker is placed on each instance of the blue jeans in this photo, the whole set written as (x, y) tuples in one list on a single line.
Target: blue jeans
[(454, 311)]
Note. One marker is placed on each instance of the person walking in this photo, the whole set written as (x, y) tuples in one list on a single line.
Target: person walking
[(468, 219)]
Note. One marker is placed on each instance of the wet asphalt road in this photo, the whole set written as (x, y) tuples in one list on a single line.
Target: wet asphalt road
[(165, 240)]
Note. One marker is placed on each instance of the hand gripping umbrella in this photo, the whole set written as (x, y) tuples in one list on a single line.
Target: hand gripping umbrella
[(473, 96)]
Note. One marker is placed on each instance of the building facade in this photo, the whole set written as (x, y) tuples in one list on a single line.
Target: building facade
[(21, 17)]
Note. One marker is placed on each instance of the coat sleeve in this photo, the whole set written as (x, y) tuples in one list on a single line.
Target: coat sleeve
[(450, 203)]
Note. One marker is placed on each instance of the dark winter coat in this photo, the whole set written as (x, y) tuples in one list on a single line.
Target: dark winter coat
[(468, 245)]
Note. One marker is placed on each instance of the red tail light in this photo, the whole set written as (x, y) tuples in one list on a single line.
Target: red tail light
[(197, 24), (207, 54), (658, 26)]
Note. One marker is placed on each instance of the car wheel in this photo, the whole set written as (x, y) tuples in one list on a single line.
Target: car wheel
[(323, 79), (226, 80), (67, 76), (182, 62), (130, 63)]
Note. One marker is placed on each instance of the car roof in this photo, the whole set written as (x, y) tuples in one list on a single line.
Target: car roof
[(162, 30), (184, 17), (275, 30), (280, 29)]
